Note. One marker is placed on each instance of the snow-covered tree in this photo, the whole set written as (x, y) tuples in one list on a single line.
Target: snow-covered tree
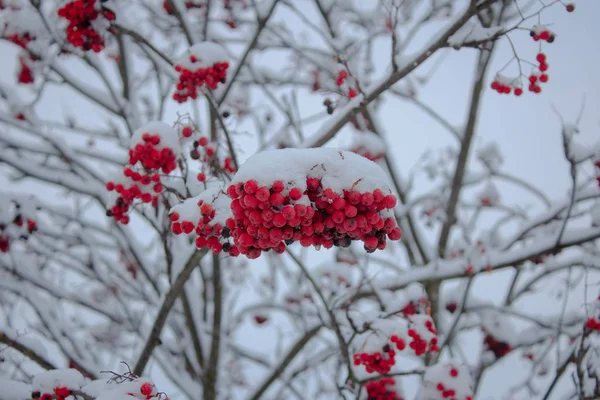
[(203, 199)]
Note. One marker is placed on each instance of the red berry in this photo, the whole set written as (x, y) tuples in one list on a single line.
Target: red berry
[(541, 58), (146, 389), (544, 78), (518, 91), (453, 372), (250, 186), (570, 7), (295, 194), (202, 177), (186, 131), (174, 216)]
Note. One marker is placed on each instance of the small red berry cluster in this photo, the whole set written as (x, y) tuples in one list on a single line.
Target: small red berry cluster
[(419, 344), (24, 228), (380, 362), (448, 392), (80, 32), (362, 151), (60, 393), (266, 218), (25, 74), (498, 347), (592, 324), (504, 85), (146, 185), (382, 389), (539, 77), (151, 156), (341, 79), (213, 236), (190, 79), (540, 32), (21, 39)]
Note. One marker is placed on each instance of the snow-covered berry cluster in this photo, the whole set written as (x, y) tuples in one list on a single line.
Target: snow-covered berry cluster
[(416, 334), (232, 8), (20, 26), (60, 393), (16, 222), (206, 216), (204, 64), (498, 347), (505, 85), (446, 381), (489, 196), (87, 19), (383, 389), (368, 145), (154, 147), (541, 32), (316, 201), (382, 361), (346, 83), (592, 324)]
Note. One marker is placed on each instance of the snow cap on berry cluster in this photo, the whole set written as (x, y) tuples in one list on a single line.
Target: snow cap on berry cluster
[(206, 55), (368, 145), (220, 202), (47, 381), (168, 135), (444, 381), (337, 169)]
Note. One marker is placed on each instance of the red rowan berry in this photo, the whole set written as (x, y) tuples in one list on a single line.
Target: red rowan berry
[(186, 131)]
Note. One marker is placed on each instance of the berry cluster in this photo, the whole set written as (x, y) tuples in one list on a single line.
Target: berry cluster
[(19, 227), (448, 392), (341, 79), (498, 347), (25, 74), (145, 187), (83, 20), (268, 218), (540, 32), (210, 233), (380, 389), (21, 39), (154, 156), (504, 85), (446, 381), (539, 77), (195, 74), (229, 5), (60, 393), (380, 362), (420, 344), (592, 324)]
